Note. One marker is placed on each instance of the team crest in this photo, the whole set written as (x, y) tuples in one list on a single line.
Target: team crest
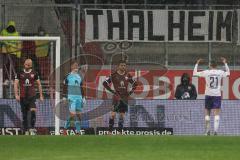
[(32, 75), (189, 87)]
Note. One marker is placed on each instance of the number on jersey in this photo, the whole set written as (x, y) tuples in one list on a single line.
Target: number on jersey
[(213, 82)]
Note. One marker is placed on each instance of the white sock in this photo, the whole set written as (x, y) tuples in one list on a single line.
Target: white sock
[(207, 123), (216, 123)]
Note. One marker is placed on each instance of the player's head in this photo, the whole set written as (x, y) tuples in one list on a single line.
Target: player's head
[(213, 64), (122, 65), (185, 79), (27, 64), (74, 66)]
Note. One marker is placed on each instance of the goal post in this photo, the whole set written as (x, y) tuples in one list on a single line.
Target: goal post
[(57, 62)]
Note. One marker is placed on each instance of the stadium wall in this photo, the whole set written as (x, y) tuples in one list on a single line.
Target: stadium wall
[(160, 84), (184, 117)]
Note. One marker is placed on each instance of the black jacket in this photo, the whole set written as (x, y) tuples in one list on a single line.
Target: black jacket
[(185, 90)]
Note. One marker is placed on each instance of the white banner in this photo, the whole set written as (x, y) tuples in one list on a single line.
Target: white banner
[(158, 25), (238, 20)]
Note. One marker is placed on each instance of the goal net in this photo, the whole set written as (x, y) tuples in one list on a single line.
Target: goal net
[(152, 109), (45, 54)]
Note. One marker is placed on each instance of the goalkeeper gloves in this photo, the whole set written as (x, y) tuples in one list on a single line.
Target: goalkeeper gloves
[(64, 99), (83, 100)]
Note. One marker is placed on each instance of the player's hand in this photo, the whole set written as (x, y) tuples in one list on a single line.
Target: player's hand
[(130, 93), (64, 100), (17, 97), (84, 100), (84, 68), (199, 60), (41, 98), (116, 96), (223, 60)]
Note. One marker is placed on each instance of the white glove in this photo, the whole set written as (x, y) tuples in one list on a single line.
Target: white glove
[(64, 99), (84, 100)]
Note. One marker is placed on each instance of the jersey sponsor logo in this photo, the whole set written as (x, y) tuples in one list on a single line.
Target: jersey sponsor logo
[(76, 82), (27, 83), (122, 85)]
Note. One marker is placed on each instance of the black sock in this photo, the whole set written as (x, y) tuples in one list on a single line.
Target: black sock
[(120, 123), (33, 118), (25, 121), (111, 124), (29, 119)]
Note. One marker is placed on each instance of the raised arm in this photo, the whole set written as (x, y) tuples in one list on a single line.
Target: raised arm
[(227, 72), (195, 72)]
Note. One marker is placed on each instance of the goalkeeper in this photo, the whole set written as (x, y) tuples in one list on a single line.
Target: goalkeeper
[(73, 90)]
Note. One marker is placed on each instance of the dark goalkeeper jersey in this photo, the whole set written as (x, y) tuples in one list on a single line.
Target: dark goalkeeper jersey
[(26, 82)]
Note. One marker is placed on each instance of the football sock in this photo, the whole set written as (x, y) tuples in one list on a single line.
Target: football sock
[(33, 119), (120, 123), (216, 123), (25, 120), (29, 120), (77, 124), (67, 124), (207, 123), (111, 124)]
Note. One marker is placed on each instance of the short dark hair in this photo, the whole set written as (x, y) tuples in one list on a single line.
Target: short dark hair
[(122, 61), (73, 62), (213, 63)]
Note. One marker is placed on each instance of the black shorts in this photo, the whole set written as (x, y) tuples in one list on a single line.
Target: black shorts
[(120, 106), (27, 103)]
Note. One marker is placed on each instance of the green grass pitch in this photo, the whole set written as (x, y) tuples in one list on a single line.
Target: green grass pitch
[(119, 148)]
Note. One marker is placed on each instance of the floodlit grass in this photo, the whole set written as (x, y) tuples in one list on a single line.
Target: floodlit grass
[(119, 148)]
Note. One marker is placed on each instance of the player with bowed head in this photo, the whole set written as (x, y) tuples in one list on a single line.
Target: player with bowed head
[(74, 94), (25, 83)]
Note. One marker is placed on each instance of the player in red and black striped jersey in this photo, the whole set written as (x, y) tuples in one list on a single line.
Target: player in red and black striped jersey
[(25, 82), (120, 80)]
